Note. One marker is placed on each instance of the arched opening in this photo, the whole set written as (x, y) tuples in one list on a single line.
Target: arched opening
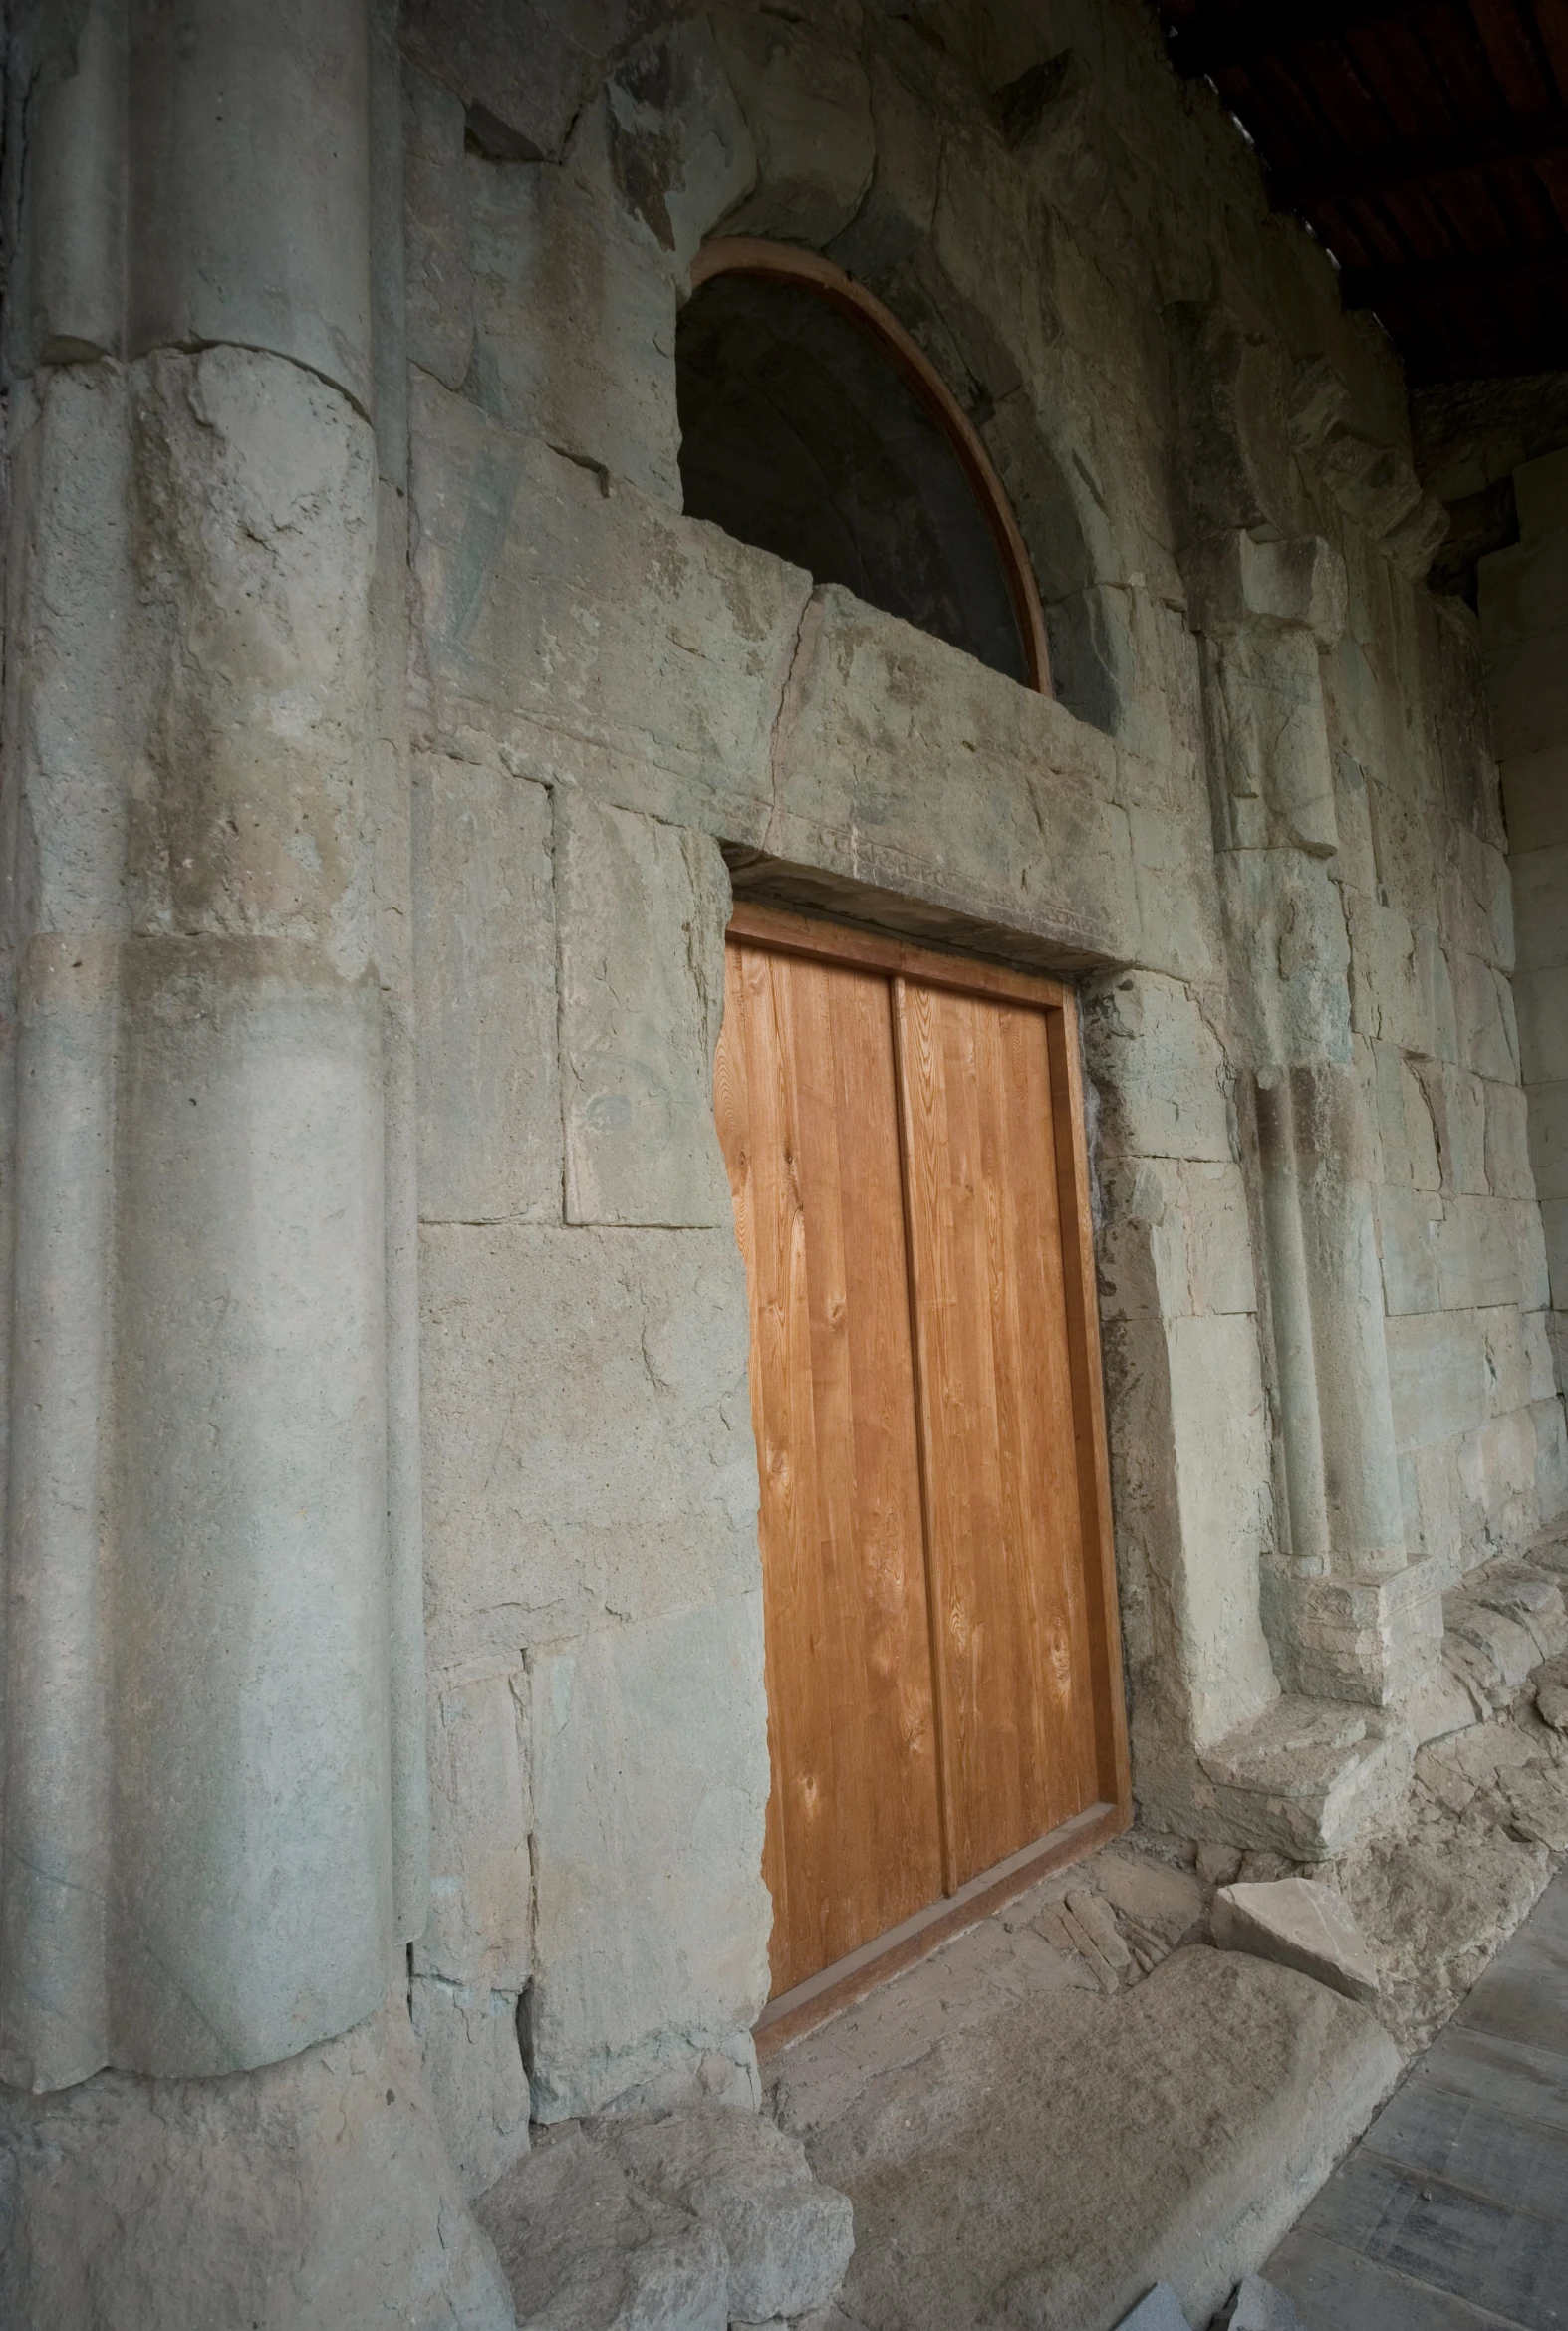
[(813, 426)]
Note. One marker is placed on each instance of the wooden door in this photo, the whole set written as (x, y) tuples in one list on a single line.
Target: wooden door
[(903, 1142)]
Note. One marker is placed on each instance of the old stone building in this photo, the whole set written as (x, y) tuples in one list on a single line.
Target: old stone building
[(502, 493)]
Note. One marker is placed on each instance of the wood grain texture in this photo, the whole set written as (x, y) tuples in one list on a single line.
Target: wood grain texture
[(808, 1122), (1011, 1642), (873, 951)]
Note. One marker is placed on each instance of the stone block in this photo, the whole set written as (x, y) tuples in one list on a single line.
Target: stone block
[(1507, 1142), (1300, 1922), (1506, 1650), (1541, 492), (1290, 918), (1476, 898), (1457, 1105), (1487, 1038), (1353, 825), (1496, 1469), (574, 324), (903, 763), (1437, 986), (1219, 1427), (473, 2070), (1430, 1488), (1477, 1255), (807, 103), (787, 2237), (1541, 1000), (1362, 1640), (1549, 1140), (669, 140), (480, 1882), (1527, 686), (581, 2246), (1507, 1359), (437, 278), (1537, 799), (1160, 1070), (1538, 1356), (1529, 1245), (643, 909), (1437, 1376), (484, 957), (1259, 2306), (650, 1783), (528, 63), (536, 589), (1407, 1225), (1540, 904), (1218, 1238), (1551, 1461), (1142, 1252), (1405, 831), (1300, 1779), (587, 1430), (1522, 592), (1172, 877)]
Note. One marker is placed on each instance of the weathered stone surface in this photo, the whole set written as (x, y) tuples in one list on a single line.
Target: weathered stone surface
[(887, 733), (473, 2072), (588, 1429), (536, 589), (979, 2173), (438, 278), (480, 1881), (312, 2196), (574, 321), (583, 2250), (643, 911), (807, 104), (1301, 1923), (650, 1782), (787, 2239), (1160, 2311), (1161, 1070), (1259, 2306), (484, 952)]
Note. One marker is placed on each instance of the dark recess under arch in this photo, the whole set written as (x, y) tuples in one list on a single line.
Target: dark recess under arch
[(813, 427)]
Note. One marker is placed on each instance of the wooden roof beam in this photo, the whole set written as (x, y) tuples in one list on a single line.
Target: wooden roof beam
[(1202, 46), (1380, 287), (1511, 146)]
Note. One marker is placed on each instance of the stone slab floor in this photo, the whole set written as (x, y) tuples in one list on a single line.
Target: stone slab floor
[(1451, 2214)]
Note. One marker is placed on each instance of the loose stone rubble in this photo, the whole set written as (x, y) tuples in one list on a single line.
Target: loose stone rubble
[(1301, 1923)]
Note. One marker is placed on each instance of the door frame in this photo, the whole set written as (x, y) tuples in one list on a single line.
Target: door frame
[(784, 932)]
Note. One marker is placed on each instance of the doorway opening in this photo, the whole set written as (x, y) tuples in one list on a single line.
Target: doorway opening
[(904, 1136)]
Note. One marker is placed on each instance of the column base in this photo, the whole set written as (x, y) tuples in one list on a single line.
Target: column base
[(314, 2194), (1368, 1640)]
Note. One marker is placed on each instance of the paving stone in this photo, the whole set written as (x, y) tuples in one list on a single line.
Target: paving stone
[(1339, 2290), (1302, 1924), (1160, 2311)]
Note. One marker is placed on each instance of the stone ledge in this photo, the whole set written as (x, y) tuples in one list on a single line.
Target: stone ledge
[(1299, 1780)]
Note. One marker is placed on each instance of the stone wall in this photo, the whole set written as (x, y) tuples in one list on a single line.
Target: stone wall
[(384, 747), (1263, 827)]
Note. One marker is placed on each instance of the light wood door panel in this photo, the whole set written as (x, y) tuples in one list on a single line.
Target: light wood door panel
[(808, 1120), (1014, 1676)]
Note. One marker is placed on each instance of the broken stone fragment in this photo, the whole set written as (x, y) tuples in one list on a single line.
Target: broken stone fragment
[(1260, 2307), (1552, 1701), (1098, 1919), (1217, 1864), (1299, 1923), (1057, 1925), (788, 2238)]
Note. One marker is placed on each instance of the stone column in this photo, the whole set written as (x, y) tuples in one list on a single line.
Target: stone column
[(213, 1725), (1347, 1618), (1523, 606)]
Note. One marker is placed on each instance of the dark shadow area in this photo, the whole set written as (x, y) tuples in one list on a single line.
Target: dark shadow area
[(800, 435)]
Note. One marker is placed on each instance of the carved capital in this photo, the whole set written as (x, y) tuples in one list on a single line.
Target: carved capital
[(1234, 583)]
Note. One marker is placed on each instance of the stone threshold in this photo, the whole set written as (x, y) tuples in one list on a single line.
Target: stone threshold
[(849, 1980)]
